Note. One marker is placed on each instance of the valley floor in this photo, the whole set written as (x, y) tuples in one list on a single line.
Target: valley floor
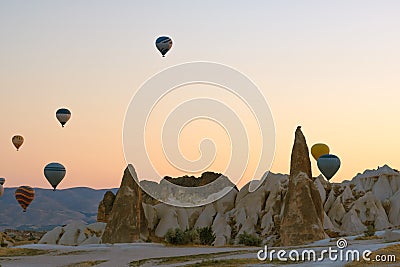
[(147, 254)]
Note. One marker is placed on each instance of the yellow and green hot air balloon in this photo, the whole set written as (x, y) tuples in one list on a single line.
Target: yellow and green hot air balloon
[(318, 150)]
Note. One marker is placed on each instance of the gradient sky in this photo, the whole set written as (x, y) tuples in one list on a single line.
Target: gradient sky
[(330, 66)]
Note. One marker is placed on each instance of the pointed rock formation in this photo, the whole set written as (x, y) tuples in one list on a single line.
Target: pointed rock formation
[(300, 158), (127, 222), (105, 207), (303, 214)]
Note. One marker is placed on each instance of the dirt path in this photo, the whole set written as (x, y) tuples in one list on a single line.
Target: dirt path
[(114, 255), (145, 254)]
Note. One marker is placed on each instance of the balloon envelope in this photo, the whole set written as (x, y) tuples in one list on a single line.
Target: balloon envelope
[(318, 150), (2, 181), (24, 195), (1, 190), (54, 173), (17, 140), (328, 165), (63, 115), (163, 44)]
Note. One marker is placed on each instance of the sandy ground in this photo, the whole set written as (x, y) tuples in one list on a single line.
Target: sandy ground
[(120, 255)]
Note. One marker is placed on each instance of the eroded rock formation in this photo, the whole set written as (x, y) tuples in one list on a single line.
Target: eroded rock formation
[(127, 221), (105, 207), (284, 210), (302, 217), (74, 234)]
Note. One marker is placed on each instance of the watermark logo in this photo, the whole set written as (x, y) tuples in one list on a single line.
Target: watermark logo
[(341, 243), (317, 255), (197, 117)]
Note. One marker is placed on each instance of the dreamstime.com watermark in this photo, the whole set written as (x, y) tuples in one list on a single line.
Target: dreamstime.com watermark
[(331, 254)]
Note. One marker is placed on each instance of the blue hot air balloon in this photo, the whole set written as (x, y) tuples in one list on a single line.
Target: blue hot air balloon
[(328, 164), (2, 180), (163, 44), (54, 173)]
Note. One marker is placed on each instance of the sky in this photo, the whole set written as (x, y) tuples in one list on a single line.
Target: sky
[(330, 66)]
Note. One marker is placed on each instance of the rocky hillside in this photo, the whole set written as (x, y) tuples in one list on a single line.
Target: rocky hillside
[(285, 210), (50, 208)]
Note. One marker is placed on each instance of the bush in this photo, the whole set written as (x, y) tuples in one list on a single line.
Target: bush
[(249, 240), (192, 236), (234, 229), (175, 237), (179, 237), (206, 236), (370, 230)]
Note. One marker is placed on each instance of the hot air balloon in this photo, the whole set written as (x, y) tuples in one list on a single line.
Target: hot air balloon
[(318, 150), (54, 173), (24, 195), (163, 44), (2, 181), (63, 115), (17, 140), (328, 165)]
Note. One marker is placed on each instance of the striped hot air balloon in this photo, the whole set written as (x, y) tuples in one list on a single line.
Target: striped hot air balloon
[(17, 141), (163, 44), (54, 173), (63, 115), (24, 195), (2, 181)]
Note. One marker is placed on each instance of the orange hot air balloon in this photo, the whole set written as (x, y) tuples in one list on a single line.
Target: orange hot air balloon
[(24, 195), (17, 140), (318, 150)]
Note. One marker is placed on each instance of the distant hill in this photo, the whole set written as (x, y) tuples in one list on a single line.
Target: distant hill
[(50, 208), (192, 181)]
